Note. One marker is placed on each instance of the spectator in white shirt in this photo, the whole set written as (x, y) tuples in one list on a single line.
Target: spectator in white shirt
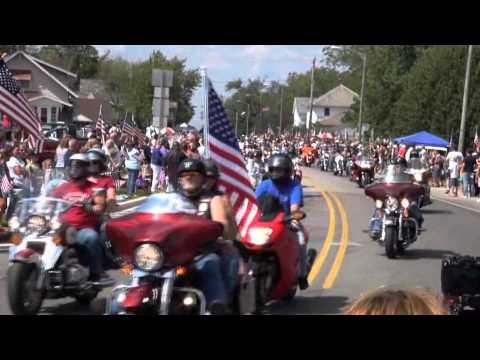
[(16, 168)]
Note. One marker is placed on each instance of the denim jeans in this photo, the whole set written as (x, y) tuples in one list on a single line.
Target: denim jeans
[(209, 268), (230, 264), (467, 184), (132, 180), (90, 240)]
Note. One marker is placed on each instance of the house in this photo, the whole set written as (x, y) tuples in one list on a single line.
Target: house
[(92, 95), (48, 88), (328, 110)]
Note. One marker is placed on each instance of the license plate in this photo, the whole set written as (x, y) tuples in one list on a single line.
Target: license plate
[(37, 246)]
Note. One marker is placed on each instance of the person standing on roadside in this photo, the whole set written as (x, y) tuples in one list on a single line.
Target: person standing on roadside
[(174, 158), (133, 163), (468, 168)]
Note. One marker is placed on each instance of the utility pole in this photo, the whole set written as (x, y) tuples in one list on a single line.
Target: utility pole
[(281, 110), (461, 140), (360, 125), (309, 121), (236, 123)]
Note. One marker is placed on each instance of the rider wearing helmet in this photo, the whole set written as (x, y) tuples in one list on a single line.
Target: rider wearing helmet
[(97, 166), (219, 281), (84, 214), (290, 194)]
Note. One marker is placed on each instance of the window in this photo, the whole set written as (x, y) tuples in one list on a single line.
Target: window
[(327, 112), (24, 84), (43, 115), (53, 116)]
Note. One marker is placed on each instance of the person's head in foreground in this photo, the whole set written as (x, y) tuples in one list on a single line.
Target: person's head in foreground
[(387, 301)]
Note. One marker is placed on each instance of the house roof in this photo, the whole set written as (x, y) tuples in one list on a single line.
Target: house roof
[(89, 108), (47, 94), (54, 67), (341, 96), (41, 68)]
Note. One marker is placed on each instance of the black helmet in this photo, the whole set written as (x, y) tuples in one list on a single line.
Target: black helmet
[(188, 165), (192, 165), (78, 166), (280, 162), (211, 169)]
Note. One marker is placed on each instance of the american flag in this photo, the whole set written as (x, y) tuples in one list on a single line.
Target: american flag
[(101, 125), (130, 128), (6, 185), (224, 150), (14, 104)]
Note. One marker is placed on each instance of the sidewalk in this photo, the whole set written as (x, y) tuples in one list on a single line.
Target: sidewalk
[(460, 201)]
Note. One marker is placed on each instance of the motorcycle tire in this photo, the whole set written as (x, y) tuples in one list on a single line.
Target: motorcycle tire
[(365, 181), (86, 297), (23, 297), (391, 242)]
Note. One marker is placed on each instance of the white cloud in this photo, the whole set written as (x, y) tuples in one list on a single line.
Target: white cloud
[(258, 54), (114, 49)]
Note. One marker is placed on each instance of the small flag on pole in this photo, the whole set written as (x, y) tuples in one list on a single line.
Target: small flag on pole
[(101, 125)]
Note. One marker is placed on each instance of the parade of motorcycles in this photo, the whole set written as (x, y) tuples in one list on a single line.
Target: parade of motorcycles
[(119, 219)]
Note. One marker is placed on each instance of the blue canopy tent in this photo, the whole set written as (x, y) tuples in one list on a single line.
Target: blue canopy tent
[(422, 138)]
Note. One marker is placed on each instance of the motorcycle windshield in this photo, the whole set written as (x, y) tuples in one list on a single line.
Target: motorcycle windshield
[(394, 174), (45, 207), (167, 203)]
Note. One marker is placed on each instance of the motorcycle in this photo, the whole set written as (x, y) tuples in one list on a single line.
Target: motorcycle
[(325, 162), (363, 172), (308, 159), (339, 165), (273, 250), (157, 246), (44, 262), (395, 195)]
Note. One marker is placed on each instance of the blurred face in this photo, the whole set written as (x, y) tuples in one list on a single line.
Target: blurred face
[(191, 181)]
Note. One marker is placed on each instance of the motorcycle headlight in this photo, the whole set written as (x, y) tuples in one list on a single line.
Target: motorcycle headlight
[(405, 203), (13, 223), (259, 236), (148, 257), (55, 223), (378, 204), (391, 203), (418, 177)]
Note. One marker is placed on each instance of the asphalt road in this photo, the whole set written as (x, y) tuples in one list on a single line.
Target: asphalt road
[(349, 262)]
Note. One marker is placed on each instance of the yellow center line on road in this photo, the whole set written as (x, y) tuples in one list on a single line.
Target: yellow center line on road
[(317, 265), (332, 275)]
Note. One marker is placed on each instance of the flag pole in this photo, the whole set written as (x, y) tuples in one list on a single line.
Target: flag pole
[(100, 115), (203, 72)]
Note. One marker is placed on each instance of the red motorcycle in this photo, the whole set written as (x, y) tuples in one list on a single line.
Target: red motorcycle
[(274, 253), (157, 246), (395, 225)]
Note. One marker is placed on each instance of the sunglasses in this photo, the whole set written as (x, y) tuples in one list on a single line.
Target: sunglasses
[(189, 173)]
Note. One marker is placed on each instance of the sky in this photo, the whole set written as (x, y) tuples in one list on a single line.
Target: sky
[(229, 62)]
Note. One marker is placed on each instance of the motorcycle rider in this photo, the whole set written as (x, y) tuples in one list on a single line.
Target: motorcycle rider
[(84, 215), (98, 165), (290, 194), (217, 284)]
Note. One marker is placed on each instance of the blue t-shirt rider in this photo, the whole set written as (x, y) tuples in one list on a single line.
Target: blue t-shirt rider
[(289, 192)]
